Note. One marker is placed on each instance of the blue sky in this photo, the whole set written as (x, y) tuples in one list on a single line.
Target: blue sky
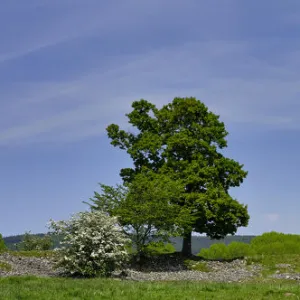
[(68, 68)]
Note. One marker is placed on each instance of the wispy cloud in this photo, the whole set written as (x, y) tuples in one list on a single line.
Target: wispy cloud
[(232, 75), (159, 76), (54, 22)]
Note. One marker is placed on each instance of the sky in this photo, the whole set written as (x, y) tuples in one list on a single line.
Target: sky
[(69, 68)]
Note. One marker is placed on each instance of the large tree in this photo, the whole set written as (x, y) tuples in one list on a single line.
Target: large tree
[(183, 140)]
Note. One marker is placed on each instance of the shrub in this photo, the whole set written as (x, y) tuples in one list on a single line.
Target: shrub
[(33, 242), (239, 250), (129, 249), (235, 250), (156, 248), (215, 252), (274, 243), (2, 244), (93, 244), (5, 266), (196, 265), (263, 246)]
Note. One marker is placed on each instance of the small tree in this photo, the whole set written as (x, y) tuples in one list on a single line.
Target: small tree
[(34, 242), (93, 244), (146, 208)]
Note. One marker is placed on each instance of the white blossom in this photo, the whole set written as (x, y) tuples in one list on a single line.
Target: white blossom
[(93, 243)]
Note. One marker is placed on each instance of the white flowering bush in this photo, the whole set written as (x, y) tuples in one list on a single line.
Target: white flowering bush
[(93, 244)]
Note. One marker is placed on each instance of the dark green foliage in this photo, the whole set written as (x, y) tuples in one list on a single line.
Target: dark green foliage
[(2, 244), (181, 140)]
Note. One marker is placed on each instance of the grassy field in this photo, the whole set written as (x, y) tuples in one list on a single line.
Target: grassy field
[(269, 250), (31, 288)]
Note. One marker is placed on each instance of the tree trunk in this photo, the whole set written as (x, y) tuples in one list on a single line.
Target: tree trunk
[(187, 244)]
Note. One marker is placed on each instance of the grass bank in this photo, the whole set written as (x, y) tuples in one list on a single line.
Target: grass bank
[(25, 288)]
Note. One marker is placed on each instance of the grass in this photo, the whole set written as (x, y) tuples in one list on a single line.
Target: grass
[(33, 253), (268, 250), (30, 287), (196, 265), (270, 261), (5, 266)]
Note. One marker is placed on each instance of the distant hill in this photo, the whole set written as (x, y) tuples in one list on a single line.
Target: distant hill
[(198, 242)]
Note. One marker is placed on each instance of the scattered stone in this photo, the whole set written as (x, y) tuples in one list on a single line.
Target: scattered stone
[(283, 266), (28, 266), (290, 276), (165, 268)]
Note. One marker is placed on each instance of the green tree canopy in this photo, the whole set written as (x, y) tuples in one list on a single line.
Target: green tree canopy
[(183, 140), (146, 207)]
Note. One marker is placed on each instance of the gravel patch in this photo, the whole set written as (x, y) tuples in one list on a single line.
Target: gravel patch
[(190, 276), (162, 268), (28, 266), (235, 271)]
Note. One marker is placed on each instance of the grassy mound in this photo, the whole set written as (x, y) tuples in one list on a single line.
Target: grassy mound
[(277, 252)]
